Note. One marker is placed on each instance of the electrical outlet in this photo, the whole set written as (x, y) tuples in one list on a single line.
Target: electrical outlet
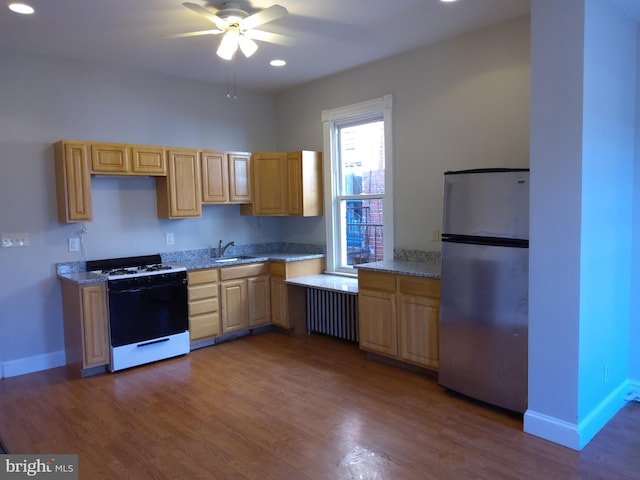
[(15, 240), (74, 244), (170, 239), (435, 234)]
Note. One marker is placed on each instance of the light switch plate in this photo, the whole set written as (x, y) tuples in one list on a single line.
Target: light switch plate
[(74, 244), (10, 240)]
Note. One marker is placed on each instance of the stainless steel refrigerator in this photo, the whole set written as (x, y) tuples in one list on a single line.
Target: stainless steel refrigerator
[(484, 285)]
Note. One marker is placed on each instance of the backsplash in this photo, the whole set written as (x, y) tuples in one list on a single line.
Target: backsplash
[(205, 253), (399, 254), (402, 255)]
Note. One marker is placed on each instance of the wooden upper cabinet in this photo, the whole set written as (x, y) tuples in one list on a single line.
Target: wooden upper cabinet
[(109, 158), (179, 193), (225, 177), (269, 184), (148, 160), (239, 177), (73, 182), (215, 177), (286, 184), (119, 159), (304, 183)]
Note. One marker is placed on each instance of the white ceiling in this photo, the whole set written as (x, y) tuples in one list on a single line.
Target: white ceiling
[(333, 35)]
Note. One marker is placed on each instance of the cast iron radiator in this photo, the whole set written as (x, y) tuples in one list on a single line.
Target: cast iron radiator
[(332, 313)]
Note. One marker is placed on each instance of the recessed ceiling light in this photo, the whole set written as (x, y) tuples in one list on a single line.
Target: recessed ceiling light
[(22, 8), (447, 1), (277, 63)]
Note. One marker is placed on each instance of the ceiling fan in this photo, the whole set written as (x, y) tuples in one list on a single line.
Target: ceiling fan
[(238, 27)]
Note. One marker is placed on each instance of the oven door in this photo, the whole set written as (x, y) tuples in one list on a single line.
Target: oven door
[(145, 308)]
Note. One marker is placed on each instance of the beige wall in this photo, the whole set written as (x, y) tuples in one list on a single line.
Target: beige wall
[(462, 103)]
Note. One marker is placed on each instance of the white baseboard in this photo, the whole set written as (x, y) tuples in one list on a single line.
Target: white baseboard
[(572, 435), (22, 366), (634, 391)]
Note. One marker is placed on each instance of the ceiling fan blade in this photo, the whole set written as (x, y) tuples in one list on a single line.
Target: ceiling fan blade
[(209, 14), (263, 16), (196, 34), (270, 37)]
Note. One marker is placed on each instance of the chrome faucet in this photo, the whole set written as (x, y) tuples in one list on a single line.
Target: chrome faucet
[(223, 248)]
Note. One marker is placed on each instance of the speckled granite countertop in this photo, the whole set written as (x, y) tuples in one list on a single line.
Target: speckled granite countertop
[(71, 274), (262, 257), (81, 277), (415, 269), (337, 283)]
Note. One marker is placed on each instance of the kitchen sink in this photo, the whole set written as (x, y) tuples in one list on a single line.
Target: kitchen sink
[(232, 259)]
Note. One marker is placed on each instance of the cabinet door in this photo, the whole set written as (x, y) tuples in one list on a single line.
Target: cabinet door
[(269, 193), (233, 305), (178, 194), (377, 321), (109, 158), (148, 160), (215, 183), (418, 330), (294, 183), (95, 331), (259, 300), (304, 183), (239, 177), (73, 182), (279, 315)]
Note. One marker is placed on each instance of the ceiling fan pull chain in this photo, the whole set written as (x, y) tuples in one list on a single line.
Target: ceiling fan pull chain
[(235, 87), (231, 79)]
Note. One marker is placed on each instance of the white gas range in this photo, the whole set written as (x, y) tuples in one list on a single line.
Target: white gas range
[(148, 310)]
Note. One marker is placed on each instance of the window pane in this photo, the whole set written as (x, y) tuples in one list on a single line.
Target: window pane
[(362, 158), (362, 231)]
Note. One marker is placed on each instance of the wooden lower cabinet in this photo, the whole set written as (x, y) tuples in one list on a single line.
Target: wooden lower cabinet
[(286, 307), (379, 332), (398, 316), (244, 297), (204, 315), (259, 301), (233, 303), (86, 325)]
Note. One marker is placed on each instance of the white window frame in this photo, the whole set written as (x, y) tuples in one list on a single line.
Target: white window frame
[(332, 119)]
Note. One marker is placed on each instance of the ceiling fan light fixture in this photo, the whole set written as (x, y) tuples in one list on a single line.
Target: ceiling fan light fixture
[(247, 46), (229, 44)]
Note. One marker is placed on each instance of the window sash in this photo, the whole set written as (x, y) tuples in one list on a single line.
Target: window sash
[(333, 120)]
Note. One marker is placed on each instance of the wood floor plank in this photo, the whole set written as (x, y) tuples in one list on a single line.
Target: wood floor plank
[(273, 406)]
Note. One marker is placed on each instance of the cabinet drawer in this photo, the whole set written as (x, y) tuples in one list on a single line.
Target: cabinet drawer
[(242, 271), (203, 306), (209, 275), (376, 281), (204, 325), (207, 290), (424, 287)]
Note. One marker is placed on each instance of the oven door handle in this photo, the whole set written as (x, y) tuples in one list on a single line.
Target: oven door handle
[(128, 290), (143, 288)]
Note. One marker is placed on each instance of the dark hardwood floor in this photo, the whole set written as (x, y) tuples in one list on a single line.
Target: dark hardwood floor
[(273, 406)]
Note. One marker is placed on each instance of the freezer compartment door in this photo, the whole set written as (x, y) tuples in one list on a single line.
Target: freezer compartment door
[(487, 204), (484, 323)]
